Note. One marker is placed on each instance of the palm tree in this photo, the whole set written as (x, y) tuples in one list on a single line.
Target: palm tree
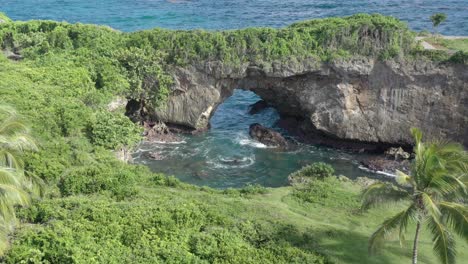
[(435, 193), (15, 185)]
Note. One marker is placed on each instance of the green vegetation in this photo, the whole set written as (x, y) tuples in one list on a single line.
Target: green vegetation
[(323, 39), (16, 187), (437, 19), (447, 49), (4, 18), (97, 209), (113, 131), (435, 193), (449, 44), (318, 170)]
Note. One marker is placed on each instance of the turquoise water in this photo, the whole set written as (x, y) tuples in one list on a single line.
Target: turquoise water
[(130, 15), (225, 156)]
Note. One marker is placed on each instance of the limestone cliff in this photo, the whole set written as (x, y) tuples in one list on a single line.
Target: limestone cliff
[(357, 99)]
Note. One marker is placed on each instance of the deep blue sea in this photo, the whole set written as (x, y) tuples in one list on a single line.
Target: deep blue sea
[(225, 156)]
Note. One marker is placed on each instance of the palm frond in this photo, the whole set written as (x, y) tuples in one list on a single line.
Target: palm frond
[(381, 193), (388, 227), (15, 185), (444, 243), (456, 217), (9, 176), (430, 205), (403, 178)]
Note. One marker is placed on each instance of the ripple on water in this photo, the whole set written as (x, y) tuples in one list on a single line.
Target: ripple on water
[(209, 14)]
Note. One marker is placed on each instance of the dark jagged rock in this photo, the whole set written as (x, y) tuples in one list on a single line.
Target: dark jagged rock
[(159, 132), (397, 153), (258, 107), (386, 165), (267, 136)]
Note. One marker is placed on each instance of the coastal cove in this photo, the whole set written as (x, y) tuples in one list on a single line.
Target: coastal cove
[(226, 157), (228, 139), (270, 132)]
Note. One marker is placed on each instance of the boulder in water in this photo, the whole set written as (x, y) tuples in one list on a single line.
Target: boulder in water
[(267, 136)]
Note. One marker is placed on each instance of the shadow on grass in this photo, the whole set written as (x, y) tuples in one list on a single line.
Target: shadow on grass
[(343, 246)]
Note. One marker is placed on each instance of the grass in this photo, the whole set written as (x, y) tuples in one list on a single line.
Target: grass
[(342, 233), (449, 44)]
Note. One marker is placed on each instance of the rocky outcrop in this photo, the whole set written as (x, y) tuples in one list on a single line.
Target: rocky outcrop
[(386, 165), (159, 132), (356, 100), (267, 136), (397, 153)]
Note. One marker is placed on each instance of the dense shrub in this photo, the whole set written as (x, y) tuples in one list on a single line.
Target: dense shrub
[(114, 130), (93, 178), (459, 57), (170, 229), (317, 170)]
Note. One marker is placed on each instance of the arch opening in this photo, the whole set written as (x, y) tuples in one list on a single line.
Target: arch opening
[(225, 156)]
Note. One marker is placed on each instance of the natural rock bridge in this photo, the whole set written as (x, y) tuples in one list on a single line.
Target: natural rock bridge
[(360, 99)]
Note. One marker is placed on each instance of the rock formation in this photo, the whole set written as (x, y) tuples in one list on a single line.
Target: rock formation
[(267, 136), (397, 153), (356, 100)]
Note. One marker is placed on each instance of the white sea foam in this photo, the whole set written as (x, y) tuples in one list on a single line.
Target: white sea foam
[(170, 143), (226, 163), (377, 172), (252, 143), (244, 140)]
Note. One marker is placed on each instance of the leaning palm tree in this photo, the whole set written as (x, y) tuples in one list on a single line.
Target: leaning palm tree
[(435, 193), (15, 185)]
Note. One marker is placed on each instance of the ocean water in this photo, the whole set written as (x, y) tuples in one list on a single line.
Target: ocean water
[(131, 15), (225, 156)]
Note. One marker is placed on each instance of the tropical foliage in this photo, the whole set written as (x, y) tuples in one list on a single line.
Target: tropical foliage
[(435, 192), (15, 185)]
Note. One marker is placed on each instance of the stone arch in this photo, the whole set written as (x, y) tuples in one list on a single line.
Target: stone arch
[(351, 100)]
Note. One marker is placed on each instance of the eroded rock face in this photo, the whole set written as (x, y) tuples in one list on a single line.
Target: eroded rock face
[(267, 136), (357, 99)]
